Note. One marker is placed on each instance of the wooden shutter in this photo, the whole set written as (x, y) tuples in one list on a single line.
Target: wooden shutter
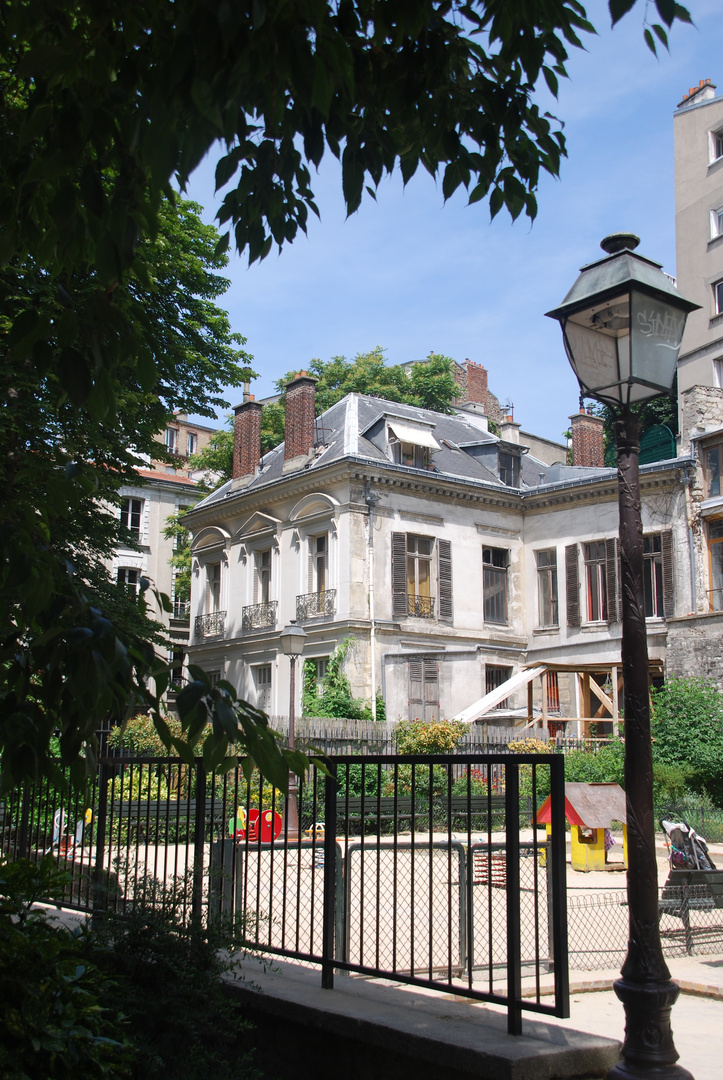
[(666, 549), (311, 586), (431, 690), (416, 689), (256, 579), (444, 578), (612, 579), (399, 575), (572, 585)]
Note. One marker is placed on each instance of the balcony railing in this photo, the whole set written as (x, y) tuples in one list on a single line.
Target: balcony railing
[(259, 616), (315, 605), (421, 607), (211, 625)]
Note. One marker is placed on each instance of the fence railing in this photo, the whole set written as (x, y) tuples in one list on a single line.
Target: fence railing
[(403, 867)]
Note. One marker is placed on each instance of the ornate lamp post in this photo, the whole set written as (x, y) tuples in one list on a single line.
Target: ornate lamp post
[(622, 324), (292, 639)]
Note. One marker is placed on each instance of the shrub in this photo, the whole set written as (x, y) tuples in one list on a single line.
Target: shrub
[(687, 729), (429, 736), (472, 780), (332, 696), (138, 736), (604, 765), (58, 1018)]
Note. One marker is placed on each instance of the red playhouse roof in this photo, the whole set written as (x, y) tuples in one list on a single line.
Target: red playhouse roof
[(594, 806)]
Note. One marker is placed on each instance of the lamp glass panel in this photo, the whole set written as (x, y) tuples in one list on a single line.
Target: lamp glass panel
[(657, 331), (593, 355)]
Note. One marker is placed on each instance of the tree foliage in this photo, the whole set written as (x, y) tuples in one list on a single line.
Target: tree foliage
[(687, 730), (104, 103)]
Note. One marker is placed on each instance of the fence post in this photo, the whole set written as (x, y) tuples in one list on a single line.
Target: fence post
[(100, 889), (24, 845), (557, 853), (330, 898), (198, 840), (514, 945)]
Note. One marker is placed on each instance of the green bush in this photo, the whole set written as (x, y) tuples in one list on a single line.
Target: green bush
[(429, 736), (687, 729), (58, 1016), (602, 766)]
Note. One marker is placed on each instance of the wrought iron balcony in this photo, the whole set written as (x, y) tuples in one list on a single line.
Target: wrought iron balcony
[(259, 616), (315, 605), (211, 625), (421, 607)]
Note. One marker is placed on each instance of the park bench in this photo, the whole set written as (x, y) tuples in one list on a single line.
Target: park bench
[(143, 814), (377, 810), (692, 890), (477, 806)]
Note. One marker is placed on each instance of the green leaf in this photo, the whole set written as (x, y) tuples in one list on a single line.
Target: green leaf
[(666, 10), (661, 34), (649, 41), (618, 8)]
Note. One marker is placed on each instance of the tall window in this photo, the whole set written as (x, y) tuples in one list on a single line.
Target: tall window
[(596, 581), (716, 222), (653, 576), (716, 145), (494, 584), (192, 443), (547, 587), (419, 573), (713, 457), (172, 440), (718, 297), (213, 587), (421, 576), (494, 677), (715, 548), (262, 680), (128, 578), (262, 584), (130, 516), (318, 563)]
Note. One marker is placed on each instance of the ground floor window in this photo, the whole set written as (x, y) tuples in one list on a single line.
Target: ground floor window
[(494, 677), (715, 548), (423, 688), (262, 683)]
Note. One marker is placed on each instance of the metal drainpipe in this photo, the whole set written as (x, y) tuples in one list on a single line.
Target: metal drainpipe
[(370, 499)]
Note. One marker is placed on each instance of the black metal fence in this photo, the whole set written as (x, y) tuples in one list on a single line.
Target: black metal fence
[(424, 870)]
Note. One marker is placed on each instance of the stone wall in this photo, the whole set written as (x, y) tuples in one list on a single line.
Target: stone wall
[(695, 646)]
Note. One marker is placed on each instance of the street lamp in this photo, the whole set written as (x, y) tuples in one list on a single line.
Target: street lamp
[(292, 639), (622, 324)]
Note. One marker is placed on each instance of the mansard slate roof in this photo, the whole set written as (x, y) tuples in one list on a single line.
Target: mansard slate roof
[(346, 429)]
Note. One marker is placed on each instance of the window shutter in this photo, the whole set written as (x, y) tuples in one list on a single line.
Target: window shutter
[(416, 684), (611, 579), (572, 585), (399, 575), (431, 689), (444, 578), (666, 548), (256, 580), (311, 587)]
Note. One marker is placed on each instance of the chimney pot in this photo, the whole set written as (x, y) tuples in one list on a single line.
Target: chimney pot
[(588, 447), (300, 415), (246, 438)]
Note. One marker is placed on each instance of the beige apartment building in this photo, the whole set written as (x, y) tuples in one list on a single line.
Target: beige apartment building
[(698, 127)]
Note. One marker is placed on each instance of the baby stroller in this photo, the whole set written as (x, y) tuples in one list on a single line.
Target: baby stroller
[(686, 850)]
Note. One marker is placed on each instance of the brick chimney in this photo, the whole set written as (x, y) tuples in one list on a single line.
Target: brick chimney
[(246, 439), (477, 388), (587, 440), (300, 402)]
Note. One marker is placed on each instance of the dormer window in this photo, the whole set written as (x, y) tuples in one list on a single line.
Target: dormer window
[(411, 444), (509, 469)]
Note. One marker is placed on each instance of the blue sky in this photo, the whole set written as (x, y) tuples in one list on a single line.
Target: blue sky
[(414, 275)]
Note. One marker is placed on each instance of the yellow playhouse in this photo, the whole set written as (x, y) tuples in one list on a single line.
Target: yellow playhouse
[(591, 810)]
